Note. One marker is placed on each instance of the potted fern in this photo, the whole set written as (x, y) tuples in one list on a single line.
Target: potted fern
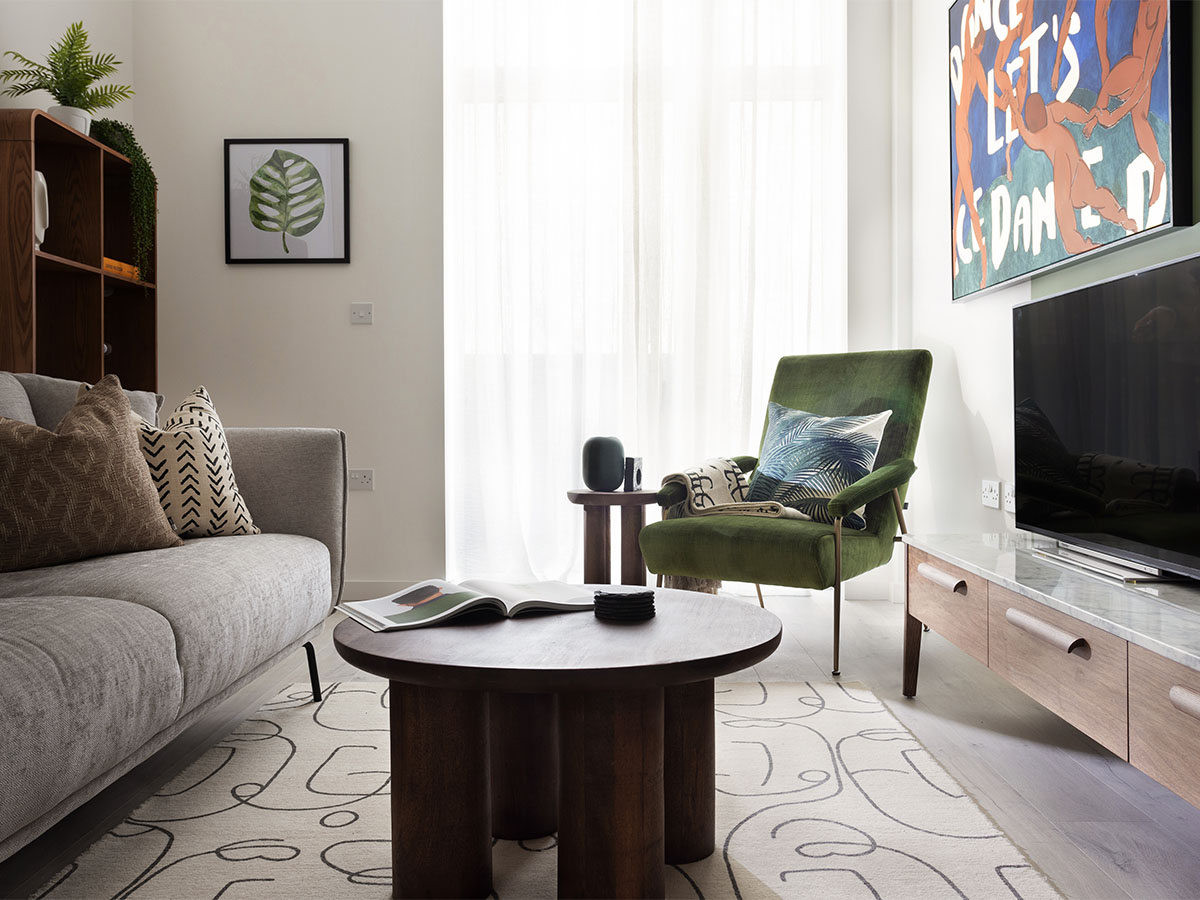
[(69, 75)]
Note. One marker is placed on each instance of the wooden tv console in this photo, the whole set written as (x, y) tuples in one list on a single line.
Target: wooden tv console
[(1119, 662)]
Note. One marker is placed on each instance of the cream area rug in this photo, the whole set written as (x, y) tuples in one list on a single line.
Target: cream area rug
[(821, 793)]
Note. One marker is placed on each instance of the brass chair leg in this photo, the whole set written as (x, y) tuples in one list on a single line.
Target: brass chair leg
[(899, 510), (658, 583), (760, 599), (837, 592)]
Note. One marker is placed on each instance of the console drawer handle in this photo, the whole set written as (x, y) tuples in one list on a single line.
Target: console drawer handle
[(1044, 631), (942, 579), (1185, 701)]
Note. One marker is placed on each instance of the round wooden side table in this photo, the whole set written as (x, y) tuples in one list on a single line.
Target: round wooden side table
[(597, 550)]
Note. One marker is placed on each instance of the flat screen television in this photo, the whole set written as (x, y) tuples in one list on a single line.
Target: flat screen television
[(1107, 417)]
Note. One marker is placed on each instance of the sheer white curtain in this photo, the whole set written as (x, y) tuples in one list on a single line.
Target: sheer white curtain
[(645, 209)]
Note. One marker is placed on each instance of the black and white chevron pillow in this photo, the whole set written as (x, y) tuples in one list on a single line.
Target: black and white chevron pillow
[(189, 462)]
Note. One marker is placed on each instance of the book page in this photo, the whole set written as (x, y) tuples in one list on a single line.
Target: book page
[(425, 602), (538, 594)]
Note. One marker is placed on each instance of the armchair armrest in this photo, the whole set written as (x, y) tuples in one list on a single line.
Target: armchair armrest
[(671, 494), (294, 482), (873, 486), (746, 463)]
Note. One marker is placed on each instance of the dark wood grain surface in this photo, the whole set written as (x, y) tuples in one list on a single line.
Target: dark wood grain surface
[(52, 320), (524, 763), (440, 797), (610, 818), (612, 498), (689, 772), (16, 252), (693, 637)]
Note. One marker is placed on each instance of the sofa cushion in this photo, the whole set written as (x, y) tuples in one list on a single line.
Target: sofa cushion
[(232, 602), (86, 681), (50, 398), (189, 462), (14, 402), (80, 491), (806, 460)]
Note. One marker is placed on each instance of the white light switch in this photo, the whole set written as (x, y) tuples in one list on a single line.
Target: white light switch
[(362, 313)]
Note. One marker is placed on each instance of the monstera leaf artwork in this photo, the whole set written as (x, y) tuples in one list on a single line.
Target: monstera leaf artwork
[(287, 196), (287, 200)]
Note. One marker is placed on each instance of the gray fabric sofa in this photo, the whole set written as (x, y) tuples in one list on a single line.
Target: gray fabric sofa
[(105, 660)]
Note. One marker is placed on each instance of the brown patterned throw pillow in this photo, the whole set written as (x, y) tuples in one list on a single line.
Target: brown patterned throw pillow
[(190, 465), (82, 490)]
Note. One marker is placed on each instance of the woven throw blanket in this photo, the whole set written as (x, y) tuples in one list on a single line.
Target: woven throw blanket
[(719, 487)]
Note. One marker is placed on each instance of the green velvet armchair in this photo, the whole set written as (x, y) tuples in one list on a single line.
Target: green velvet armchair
[(798, 553)]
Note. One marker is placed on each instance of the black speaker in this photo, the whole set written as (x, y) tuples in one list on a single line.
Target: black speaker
[(603, 463), (633, 473)]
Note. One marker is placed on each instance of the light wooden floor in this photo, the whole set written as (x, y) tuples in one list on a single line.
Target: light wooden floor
[(1097, 826)]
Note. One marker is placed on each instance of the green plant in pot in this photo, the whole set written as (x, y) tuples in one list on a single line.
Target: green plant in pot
[(143, 186), (69, 74)]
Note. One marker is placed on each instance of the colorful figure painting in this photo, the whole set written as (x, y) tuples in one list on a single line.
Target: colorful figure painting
[(1060, 131)]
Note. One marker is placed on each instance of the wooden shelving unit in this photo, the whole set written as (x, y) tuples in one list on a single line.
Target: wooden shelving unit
[(60, 313)]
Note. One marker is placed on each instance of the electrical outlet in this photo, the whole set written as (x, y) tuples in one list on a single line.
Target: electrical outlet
[(362, 479), (362, 313), (1010, 497), (991, 494)]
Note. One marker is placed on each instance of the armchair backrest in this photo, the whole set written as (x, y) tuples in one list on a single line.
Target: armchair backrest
[(858, 384)]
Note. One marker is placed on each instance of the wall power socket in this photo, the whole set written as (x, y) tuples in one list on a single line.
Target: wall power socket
[(990, 494), (1010, 497), (362, 479)]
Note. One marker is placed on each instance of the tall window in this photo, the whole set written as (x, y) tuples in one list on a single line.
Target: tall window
[(645, 209)]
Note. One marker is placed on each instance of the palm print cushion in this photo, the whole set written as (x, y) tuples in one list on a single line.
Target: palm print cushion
[(807, 459)]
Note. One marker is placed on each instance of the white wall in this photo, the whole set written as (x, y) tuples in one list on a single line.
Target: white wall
[(273, 343), (967, 430), (871, 221)]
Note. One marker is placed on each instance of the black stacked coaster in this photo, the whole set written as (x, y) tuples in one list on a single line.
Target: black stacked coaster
[(629, 606)]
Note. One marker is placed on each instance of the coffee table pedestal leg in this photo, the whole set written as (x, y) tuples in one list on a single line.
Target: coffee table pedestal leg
[(690, 772), (524, 752), (610, 819), (441, 816)]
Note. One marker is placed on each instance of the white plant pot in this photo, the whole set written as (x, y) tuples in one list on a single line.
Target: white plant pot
[(79, 119)]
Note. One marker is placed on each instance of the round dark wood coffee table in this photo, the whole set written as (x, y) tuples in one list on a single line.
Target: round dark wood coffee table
[(631, 706)]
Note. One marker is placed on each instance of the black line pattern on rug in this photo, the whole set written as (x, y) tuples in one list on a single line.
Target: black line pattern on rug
[(821, 792)]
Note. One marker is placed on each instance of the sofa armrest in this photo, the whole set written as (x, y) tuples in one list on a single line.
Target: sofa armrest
[(294, 482)]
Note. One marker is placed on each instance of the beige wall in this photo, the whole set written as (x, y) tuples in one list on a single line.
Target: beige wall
[(273, 343)]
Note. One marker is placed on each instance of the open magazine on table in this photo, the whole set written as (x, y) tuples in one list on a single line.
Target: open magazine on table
[(435, 601)]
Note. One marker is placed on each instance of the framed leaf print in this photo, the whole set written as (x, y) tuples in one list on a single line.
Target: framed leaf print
[(287, 200)]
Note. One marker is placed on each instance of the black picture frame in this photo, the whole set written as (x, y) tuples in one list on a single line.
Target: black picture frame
[(249, 243)]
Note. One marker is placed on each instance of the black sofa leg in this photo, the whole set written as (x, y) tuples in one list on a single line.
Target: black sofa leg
[(312, 671)]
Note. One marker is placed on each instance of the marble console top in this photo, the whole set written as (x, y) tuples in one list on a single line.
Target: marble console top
[(1164, 618)]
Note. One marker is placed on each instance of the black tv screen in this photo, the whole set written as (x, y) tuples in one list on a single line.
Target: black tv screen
[(1107, 417)]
